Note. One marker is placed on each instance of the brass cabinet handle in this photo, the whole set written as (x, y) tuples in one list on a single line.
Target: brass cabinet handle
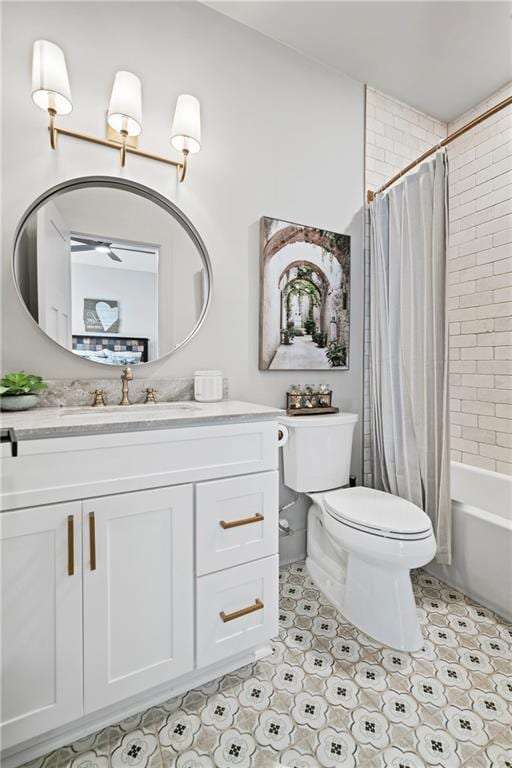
[(71, 545), (244, 521), (92, 540), (258, 605)]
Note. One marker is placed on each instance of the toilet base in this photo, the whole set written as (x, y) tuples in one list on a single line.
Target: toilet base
[(381, 603), (377, 599), (330, 587)]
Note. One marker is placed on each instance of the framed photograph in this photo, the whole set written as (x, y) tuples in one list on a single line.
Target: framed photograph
[(304, 297), (101, 316)]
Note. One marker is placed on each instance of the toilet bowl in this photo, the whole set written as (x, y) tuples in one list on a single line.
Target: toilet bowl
[(362, 543)]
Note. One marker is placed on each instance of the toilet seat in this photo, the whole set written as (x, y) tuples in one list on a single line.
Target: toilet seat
[(377, 513)]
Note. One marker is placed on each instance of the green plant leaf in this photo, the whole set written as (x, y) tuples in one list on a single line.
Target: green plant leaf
[(21, 383)]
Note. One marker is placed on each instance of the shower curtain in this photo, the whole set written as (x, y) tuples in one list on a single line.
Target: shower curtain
[(409, 344)]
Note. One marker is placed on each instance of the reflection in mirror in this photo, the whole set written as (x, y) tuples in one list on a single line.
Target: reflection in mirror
[(113, 274)]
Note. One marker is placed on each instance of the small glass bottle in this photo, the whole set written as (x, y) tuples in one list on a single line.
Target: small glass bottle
[(294, 399), (324, 396), (310, 397)]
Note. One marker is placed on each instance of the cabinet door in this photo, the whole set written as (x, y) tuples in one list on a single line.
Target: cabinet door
[(41, 618), (138, 592)]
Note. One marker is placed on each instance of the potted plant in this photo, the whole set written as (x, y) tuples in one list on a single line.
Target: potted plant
[(309, 327), (321, 339), (19, 391), (286, 336), (335, 354)]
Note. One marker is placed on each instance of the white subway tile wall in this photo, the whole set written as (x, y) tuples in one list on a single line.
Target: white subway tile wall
[(480, 289), (480, 266)]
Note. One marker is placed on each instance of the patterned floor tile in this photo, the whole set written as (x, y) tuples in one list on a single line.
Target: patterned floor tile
[(299, 755), (329, 696), (395, 757), (498, 754), (136, 749)]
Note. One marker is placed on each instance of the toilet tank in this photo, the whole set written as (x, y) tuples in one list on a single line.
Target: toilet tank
[(316, 456)]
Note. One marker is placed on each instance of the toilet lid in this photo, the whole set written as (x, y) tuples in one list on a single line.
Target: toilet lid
[(376, 511)]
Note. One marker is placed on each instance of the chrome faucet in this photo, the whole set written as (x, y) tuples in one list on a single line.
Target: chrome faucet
[(126, 376)]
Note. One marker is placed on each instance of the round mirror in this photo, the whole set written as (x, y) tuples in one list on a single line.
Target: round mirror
[(112, 271)]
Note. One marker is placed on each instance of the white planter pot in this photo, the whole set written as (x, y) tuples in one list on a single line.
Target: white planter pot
[(17, 402)]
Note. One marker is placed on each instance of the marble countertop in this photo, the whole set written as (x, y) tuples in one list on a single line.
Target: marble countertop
[(71, 421)]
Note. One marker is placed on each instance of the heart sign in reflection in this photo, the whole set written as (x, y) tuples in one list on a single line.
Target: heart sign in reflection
[(107, 315)]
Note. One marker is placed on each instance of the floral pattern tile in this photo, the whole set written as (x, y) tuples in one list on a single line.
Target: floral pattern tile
[(136, 749), (328, 696), (498, 754)]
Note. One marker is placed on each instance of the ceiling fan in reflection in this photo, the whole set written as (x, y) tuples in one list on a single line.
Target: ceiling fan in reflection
[(79, 244)]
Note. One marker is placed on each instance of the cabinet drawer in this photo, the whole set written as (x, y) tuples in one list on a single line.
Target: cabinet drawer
[(236, 609), (52, 469), (236, 521)]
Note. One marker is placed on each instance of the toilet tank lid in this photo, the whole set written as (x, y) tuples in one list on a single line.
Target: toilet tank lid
[(323, 420)]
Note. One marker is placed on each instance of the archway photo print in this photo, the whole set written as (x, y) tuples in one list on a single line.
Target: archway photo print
[(305, 297)]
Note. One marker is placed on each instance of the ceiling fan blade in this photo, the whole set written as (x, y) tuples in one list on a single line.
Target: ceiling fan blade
[(84, 240), (134, 249), (113, 256), (78, 248)]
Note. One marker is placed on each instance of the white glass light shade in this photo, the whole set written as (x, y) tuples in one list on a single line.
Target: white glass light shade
[(50, 82), (125, 108), (186, 126)]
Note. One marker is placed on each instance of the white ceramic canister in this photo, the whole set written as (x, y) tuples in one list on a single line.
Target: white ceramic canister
[(208, 386)]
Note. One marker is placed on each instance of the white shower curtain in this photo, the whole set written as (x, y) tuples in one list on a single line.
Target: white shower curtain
[(409, 344)]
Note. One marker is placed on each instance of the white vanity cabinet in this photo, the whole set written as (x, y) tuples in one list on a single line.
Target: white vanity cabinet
[(162, 578)]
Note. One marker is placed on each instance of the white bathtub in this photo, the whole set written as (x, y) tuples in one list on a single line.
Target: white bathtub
[(481, 537)]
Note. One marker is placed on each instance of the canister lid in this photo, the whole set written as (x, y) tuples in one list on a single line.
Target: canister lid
[(207, 373)]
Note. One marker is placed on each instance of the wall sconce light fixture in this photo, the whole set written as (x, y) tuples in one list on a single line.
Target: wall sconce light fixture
[(51, 92)]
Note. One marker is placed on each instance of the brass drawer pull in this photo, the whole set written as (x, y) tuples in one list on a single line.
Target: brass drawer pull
[(244, 521), (92, 540), (258, 605), (71, 545)]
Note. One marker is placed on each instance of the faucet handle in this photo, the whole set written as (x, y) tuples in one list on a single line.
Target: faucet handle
[(99, 398), (150, 395), (127, 373)]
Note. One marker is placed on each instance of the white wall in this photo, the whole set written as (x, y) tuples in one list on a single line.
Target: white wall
[(136, 292), (282, 137)]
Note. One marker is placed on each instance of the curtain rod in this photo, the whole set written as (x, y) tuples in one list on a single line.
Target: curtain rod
[(451, 137)]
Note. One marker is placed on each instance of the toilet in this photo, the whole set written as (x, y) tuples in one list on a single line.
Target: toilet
[(362, 543)]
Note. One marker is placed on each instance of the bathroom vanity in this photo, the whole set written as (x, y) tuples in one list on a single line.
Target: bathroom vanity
[(139, 560)]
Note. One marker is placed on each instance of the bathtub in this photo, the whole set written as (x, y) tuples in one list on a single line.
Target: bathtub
[(481, 537)]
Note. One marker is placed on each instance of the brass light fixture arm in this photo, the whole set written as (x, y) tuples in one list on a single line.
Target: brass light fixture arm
[(122, 147), (52, 128), (182, 170), (124, 134)]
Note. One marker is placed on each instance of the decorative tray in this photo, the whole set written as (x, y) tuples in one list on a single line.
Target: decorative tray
[(309, 403)]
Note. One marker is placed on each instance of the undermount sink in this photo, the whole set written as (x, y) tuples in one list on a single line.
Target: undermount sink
[(127, 409)]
